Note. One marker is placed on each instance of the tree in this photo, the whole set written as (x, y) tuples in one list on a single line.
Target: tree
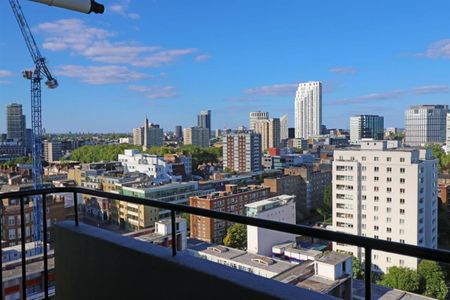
[(357, 268), (444, 159), (401, 278), (236, 237), (326, 208), (433, 279)]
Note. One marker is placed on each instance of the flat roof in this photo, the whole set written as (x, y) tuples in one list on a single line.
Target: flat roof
[(333, 258), (384, 293), (273, 265), (223, 252), (269, 201), (296, 273), (319, 284)]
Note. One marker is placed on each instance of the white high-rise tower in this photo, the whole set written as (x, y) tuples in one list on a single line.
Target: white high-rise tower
[(308, 109)]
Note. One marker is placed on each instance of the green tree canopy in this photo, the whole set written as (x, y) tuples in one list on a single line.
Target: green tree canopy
[(236, 237), (357, 268), (444, 159), (401, 278), (433, 279)]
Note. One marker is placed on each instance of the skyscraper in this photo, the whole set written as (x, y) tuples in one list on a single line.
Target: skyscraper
[(385, 192), (204, 120), (366, 127), (308, 109), (425, 124), (284, 127), (257, 115), (15, 123), (179, 131), (148, 135), (270, 133), (242, 152)]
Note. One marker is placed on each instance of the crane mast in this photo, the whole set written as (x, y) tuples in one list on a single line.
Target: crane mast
[(35, 76)]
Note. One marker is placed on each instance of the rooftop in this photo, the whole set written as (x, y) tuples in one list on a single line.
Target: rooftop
[(333, 258)]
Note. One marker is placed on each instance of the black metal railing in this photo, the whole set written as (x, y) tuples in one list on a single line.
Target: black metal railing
[(368, 244)]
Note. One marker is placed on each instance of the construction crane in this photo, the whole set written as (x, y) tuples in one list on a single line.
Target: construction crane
[(35, 76)]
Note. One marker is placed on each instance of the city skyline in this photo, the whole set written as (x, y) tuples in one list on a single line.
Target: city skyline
[(172, 74)]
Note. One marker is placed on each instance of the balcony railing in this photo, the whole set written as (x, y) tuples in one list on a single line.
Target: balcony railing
[(368, 244)]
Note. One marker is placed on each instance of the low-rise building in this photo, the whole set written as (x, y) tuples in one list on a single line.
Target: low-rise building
[(232, 200)]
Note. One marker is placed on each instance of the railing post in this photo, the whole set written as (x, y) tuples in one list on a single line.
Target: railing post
[(368, 272), (174, 233), (75, 205), (44, 232), (23, 241)]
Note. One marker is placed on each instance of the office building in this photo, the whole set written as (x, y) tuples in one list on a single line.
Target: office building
[(232, 200), (281, 209), (148, 135), (179, 131), (204, 120), (242, 152), (291, 132), (256, 116), (197, 136), (15, 123), (270, 133), (52, 151), (425, 124), (284, 127), (385, 192), (308, 109), (366, 127)]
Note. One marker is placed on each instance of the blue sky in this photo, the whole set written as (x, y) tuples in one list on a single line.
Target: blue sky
[(170, 59)]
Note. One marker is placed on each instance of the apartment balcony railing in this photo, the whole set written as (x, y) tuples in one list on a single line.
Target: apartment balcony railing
[(369, 244)]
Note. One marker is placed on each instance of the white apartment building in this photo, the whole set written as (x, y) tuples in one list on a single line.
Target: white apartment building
[(155, 167), (308, 109), (281, 209), (385, 192), (257, 115)]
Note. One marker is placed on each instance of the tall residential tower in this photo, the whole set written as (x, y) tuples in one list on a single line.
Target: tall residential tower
[(308, 109), (425, 124)]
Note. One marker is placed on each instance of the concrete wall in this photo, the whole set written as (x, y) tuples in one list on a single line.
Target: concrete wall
[(96, 264)]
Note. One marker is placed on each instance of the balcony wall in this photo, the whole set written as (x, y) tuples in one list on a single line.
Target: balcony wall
[(92, 263)]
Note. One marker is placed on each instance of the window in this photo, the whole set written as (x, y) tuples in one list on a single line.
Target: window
[(402, 221), (401, 231), (402, 201), (375, 158), (389, 169), (363, 216), (388, 209), (376, 178), (389, 230), (363, 207), (12, 234), (363, 168), (375, 228), (376, 189), (376, 198), (402, 159), (389, 239), (388, 220), (363, 158), (363, 178), (388, 189), (375, 218), (402, 211), (375, 208), (388, 158), (402, 241), (389, 179), (388, 259), (388, 199), (402, 180), (376, 237), (402, 170), (376, 169), (402, 191), (11, 220), (401, 262)]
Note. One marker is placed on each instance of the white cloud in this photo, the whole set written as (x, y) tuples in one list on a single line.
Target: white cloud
[(5, 73), (122, 9), (155, 92), (343, 70), (431, 89), (438, 49), (373, 97), (95, 44), (202, 57), (283, 89), (100, 74)]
